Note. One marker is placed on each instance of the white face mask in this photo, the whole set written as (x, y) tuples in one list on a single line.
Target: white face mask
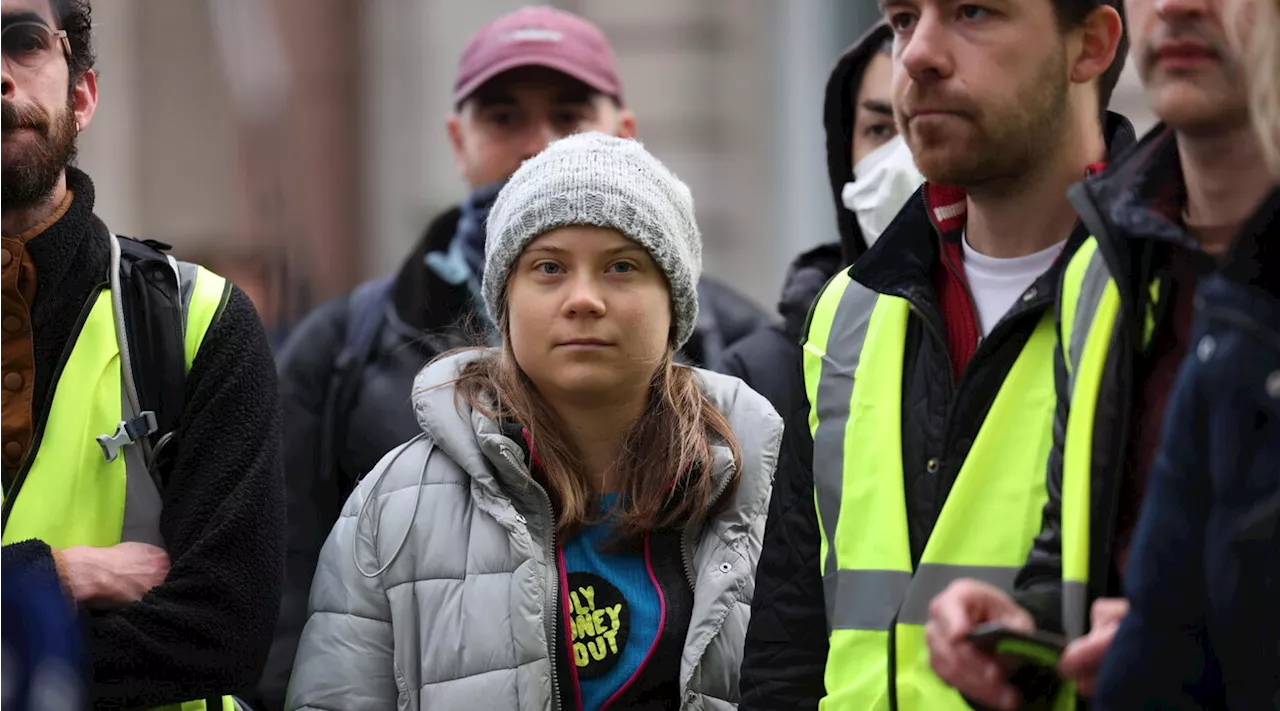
[(883, 182)]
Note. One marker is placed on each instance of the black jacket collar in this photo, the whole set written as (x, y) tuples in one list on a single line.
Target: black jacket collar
[(1140, 196), (71, 253)]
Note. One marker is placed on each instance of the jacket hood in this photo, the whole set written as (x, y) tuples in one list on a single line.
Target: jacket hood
[(805, 278), (838, 112), (473, 440)]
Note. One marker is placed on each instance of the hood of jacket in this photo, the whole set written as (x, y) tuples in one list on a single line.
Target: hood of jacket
[(838, 113), (805, 278)]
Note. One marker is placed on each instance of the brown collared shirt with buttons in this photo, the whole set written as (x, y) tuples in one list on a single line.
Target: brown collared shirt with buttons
[(17, 357)]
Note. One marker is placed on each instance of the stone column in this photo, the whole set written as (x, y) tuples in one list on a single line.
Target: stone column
[(110, 148)]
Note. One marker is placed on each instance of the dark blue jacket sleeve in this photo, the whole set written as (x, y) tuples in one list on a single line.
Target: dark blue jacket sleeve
[(1160, 657)]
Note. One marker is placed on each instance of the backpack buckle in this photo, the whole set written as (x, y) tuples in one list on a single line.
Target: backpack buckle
[(128, 432)]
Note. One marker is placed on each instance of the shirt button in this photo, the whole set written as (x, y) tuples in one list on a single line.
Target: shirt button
[(932, 466), (1204, 351), (5, 257), (12, 324), (12, 450), (1273, 385), (13, 381)]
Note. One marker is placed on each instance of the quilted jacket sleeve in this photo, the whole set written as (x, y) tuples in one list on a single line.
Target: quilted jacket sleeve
[(1039, 584), (345, 655)]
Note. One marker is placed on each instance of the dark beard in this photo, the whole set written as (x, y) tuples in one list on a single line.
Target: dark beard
[(29, 178), (1005, 142)]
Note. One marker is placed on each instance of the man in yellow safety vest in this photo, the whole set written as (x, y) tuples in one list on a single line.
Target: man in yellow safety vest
[(929, 363), (140, 420), (1160, 221)]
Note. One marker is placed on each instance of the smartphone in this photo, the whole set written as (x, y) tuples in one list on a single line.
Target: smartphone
[(1039, 648)]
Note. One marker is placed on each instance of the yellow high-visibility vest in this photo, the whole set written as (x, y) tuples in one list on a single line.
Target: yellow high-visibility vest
[(71, 494), (1090, 308), (877, 602)]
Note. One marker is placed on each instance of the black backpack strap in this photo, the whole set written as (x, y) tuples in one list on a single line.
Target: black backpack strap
[(150, 325), (364, 316), (366, 310)]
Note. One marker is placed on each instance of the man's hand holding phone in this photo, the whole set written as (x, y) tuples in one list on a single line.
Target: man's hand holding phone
[(956, 659), (978, 635)]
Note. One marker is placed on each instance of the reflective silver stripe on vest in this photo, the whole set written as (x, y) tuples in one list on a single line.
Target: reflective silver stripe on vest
[(1075, 602), (932, 578), (1075, 595), (872, 599), (835, 389), (1094, 283), (143, 503), (867, 599)]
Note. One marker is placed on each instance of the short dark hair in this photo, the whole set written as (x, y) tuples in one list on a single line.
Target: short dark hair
[(75, 16), (1072, 14)]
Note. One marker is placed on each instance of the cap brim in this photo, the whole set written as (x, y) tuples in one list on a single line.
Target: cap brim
[(557, 64)]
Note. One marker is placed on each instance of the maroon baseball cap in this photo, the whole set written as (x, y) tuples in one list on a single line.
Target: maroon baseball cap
[(538, 36)]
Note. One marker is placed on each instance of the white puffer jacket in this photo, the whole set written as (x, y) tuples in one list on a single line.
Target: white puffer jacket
[(435, 588)]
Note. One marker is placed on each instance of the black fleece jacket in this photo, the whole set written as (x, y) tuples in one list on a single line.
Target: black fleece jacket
[(205, 631)]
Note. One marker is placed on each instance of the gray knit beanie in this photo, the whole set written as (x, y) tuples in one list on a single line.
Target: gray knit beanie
[(594, 179)]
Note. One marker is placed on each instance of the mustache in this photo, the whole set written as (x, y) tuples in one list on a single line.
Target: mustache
[(935, 98), (13, 116)]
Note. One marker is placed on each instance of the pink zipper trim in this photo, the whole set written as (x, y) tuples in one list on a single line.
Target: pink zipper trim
[(662, 625), (535, 461), (568, 627)]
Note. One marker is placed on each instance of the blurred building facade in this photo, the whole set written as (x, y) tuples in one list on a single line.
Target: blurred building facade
[(299, 145)]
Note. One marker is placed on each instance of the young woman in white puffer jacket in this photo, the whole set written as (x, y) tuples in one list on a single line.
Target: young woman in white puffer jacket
[(579, 523)]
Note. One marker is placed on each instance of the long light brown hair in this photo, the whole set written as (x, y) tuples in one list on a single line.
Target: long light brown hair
[(1252, 29), (1264, 81), (667, 464)]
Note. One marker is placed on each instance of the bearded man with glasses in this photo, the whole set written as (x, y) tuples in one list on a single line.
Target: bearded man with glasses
[(141, 427)]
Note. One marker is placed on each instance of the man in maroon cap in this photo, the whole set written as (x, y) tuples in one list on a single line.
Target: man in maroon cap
[(524, 80)]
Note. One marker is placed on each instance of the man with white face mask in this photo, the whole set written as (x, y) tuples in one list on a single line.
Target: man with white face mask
[(882, 183)]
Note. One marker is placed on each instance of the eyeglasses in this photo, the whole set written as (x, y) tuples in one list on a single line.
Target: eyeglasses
[(30, 45)]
